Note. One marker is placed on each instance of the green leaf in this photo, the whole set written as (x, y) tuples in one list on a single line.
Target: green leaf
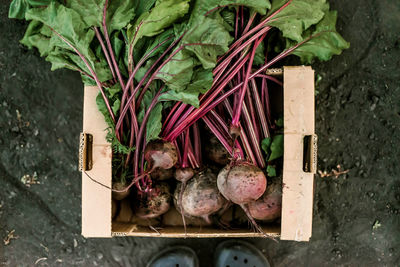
[(266, 144), (67, 23), (297, 17), (39, 3), (279, 121), (119, 12), (325, 43), (178, 72), (201, 7), (101, 105), (115, 107), (61, 60), (18, 9), (144, 105), (33, 37), (276, 147), (91, 11), (144, 6), (114, 91), (158, 18), (271, 171), (200, 84), (259, 57), (190, 97), (213, 37), (154, 124)]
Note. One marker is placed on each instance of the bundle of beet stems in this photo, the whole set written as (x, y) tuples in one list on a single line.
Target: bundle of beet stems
[(170, 72)]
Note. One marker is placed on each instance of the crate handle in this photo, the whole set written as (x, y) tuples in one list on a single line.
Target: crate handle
[(85, 152), (310, 153)]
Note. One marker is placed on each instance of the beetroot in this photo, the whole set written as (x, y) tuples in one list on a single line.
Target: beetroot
[(162, 174), (201, 197), (241, 183), (153, 204), (269, 206), (216, 152), (160, 154), (119, 195), (183, 174)]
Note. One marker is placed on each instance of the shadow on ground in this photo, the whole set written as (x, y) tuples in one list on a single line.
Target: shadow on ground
[(356, 216)]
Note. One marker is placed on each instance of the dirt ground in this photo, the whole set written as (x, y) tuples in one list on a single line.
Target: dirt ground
[(356, 216)]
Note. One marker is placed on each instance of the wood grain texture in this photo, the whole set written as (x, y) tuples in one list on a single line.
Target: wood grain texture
[(96, 199), (297, 194)]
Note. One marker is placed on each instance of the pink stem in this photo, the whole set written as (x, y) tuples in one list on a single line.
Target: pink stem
[(132, 75), (260, 109), (253, 137), (236, 117), (103, 47), (98, 83), (219, 136), (132, 97), (171, 113), (172, 135), (142, 129), (268, 77), (130, 54), (252, 111), (242, 135), (256, 28), (239, 49), (197, 143), (211, 103), (175, 117), (186, 140), (192, 157), (110, 49)]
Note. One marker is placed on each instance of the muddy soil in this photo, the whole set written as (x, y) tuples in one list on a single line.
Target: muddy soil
[(356, 215)]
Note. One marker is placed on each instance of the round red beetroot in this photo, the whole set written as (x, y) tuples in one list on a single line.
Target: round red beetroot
[(216, 152), (120, 195), (153, 204), (200, 197), (241, 183), (269, 206), (183, 174), (162, 174), (160, 154)]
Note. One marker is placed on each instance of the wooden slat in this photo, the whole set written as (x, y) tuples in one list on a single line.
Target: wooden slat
[(297, 199), (96, 199), (129, 229)]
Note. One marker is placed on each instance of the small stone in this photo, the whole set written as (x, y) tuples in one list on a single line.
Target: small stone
[(116, 253), (364, 158), (99, 256), (372, 136)]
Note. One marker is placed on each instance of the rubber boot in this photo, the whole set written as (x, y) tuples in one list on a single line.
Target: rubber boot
[(177, 256), (237, 253)]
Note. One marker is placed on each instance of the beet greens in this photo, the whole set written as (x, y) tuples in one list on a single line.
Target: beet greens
[(170, 70)]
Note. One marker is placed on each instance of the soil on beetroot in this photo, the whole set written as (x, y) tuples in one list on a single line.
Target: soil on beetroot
[(356, 215)]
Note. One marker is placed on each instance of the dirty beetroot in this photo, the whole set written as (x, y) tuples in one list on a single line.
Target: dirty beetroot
[(177, 75)]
